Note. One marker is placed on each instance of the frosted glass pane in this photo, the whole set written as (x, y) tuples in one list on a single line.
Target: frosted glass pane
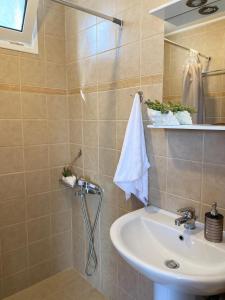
[(12, 13)]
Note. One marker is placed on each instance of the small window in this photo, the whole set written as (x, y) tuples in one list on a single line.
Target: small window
[(12, 14), (18, 25)]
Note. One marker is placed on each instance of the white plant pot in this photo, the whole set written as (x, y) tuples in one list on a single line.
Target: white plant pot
[(183, 117), (69, 180), (157, 118)]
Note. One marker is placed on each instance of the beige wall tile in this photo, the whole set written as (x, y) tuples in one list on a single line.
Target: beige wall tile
[(76, 132), (14, 261), (156, 142), (38, 205), (13, 237), (185, 145), (85, 43), (9, 69), (55, 49), (106, 29), (39, 229), (61, 262), (10, 105), (34, 106), (10, 132), (90, 107), (12, 186), (57, 107), (59, 155), (90, 133), (61, 201), (107, 105), (55, 19), (11, 159), (37, 182), (213, 184), (75, 107), (184, 179), (128, 278), (61, 222), (12, 212), (58, 131), (129, 61), (107, 63), (107, 161), (39, 251), (36, 157), (213, 148), (124, 101), (158, 174), (34, 75), (124, 4), (61, 242), (74, 151), (173, 203), (91, 158), (39, 272), (120, 133), (107, 134), (35, 132), (145, 287), (131, 17), (55, 75), (152, 56)]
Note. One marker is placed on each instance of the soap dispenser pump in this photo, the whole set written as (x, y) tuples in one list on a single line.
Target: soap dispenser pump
[(214, 225)]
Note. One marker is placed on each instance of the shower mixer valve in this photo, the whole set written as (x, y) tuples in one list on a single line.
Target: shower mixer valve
[(89, 187)]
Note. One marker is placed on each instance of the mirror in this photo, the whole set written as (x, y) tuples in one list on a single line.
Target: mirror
[(195, 80)]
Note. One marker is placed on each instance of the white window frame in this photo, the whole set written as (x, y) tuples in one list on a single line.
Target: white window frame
[(27, 40)]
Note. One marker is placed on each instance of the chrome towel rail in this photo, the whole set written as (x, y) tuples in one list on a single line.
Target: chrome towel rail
[(89, 11)]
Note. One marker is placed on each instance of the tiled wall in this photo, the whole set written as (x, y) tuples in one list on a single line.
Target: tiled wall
[(188, 168), (35, 211), (42, 129), (109, 65), (209, 40)]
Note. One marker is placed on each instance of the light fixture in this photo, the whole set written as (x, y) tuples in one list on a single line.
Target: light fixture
[(196, 3), (208, 10)]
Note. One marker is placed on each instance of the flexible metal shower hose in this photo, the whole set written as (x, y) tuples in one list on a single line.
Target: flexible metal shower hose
[(92, 260)]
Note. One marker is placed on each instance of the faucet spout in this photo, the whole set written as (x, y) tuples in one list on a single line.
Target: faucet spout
[(180, 221), (187, 218)]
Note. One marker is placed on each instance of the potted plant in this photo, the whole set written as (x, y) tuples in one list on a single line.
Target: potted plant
[(183, 113), (160, 113), (68, 177)]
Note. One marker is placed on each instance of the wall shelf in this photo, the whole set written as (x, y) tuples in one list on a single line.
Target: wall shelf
[(190, 127)]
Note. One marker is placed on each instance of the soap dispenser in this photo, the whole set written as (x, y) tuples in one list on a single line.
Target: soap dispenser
[(214, 225)]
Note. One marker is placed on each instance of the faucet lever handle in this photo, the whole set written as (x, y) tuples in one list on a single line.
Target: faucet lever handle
[(187, 210)]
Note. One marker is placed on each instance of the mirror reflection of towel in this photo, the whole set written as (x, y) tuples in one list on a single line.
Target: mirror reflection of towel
[(193, 94), (132, 170)]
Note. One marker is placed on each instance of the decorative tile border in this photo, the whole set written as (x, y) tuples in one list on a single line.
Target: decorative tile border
[(120, 84), (32, 89)]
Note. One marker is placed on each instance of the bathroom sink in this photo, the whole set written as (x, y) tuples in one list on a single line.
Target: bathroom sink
[(175, 259)]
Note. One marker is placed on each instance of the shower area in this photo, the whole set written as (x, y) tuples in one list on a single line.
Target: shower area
[(51, 244)]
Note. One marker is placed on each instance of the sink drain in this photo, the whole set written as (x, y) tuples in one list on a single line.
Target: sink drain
[(172, 264)]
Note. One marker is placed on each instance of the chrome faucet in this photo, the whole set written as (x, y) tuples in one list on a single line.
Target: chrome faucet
[(187, 218)]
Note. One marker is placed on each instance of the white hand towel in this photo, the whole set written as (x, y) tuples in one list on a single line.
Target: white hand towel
[(132, 170)]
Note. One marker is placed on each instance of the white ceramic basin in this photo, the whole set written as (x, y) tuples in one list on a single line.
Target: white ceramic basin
[(148, 237)]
